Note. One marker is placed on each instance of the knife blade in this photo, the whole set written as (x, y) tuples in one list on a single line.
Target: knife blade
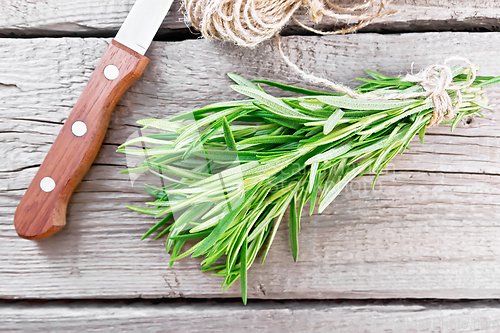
[(42, 210)]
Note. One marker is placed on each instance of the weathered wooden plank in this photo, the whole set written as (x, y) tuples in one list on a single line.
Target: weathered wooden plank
[(428, 230), (104, 17), (349, 317)]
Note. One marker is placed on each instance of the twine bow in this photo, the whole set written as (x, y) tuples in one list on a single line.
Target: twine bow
[(437, 81)]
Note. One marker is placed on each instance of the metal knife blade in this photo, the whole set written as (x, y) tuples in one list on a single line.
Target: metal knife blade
[(142, 23)]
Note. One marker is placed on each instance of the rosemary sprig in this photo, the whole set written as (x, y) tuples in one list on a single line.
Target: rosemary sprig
[(233, 172)]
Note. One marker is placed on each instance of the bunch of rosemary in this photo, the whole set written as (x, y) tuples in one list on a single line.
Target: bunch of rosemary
[(233, 172)]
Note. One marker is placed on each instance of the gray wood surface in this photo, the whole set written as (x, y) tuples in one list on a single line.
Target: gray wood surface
[(348, 317), (94, 17), (430, 229)]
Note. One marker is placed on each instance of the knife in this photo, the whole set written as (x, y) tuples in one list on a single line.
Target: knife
[(42, 210)]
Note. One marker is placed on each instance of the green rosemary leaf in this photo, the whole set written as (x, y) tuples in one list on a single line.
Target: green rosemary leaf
[(139, 169), (243, 271), (294, 229), (193, 213), (188, 252), (345, 102), (314, 192), (148, 211), (175, 251), (241, 232), (336, 135), (332, 194), (191, 128), (371, 147), (312, 178), (216, 214), (227, 156), (303, 200), (489, 82), (335, 174), (145, 139), (293, 89), (273, 234), (330, 154), (254, 248), (315, 123), (158, 193), (234, 172), (375, 75), (421, 134), (161, 124), (197, 235), (242, 81), (298, 165), (215, 107), (163, 233), (223, 224), (388, 83), (158, 225), (180, 172), (264, 222), (285, 122), (312, 109), (228, 135), (147, 151), (275, 105), (332, 121), (382, 157)]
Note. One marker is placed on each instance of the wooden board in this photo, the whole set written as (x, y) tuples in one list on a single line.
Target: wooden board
[(104, 17), (348, 317), (428, 230)]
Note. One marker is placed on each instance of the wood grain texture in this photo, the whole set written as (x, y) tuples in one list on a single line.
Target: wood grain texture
[(94, 17), (338, 317), (430, 228), (40, 213)]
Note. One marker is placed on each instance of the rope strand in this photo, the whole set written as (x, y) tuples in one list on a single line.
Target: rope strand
[(250, 22)]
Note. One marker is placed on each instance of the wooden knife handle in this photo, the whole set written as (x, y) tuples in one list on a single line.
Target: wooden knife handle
[(42, 210)]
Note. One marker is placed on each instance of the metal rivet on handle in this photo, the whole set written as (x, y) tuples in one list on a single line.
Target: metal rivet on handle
[(47, 184), (111, 72), (79, 128)]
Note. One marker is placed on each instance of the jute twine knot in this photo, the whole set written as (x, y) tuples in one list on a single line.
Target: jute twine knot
[(249, 22), (436, 81)]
